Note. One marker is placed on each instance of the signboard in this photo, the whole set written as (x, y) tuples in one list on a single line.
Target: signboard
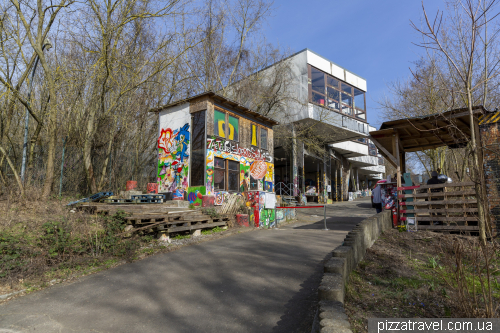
[(329, 188), (258, 169)]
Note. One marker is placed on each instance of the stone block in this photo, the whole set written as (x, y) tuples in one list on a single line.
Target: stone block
[(331, 288), (197, 233)]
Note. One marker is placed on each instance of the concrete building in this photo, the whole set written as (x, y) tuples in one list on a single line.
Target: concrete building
[(332, 100)]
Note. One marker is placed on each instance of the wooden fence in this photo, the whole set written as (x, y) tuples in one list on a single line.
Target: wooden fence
[(441, 207)]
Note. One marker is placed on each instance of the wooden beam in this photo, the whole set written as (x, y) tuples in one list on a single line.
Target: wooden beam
[(392, 160)]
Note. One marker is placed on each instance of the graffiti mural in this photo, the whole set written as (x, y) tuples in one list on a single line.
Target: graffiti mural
[(173, 159), (178, 194), (195, 195), (219, 198), (229, 147), (210, 172), (268, 186), (258, 169), (244, 177), (269, 172)]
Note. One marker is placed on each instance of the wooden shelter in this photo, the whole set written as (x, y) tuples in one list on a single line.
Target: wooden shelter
[(451, 202)]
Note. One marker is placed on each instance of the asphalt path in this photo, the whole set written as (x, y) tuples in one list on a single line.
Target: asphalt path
[(258, 281)]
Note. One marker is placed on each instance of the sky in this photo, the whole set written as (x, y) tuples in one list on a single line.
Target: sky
[(370, 38)]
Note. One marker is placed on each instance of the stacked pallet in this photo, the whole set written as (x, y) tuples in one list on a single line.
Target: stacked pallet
[(173, 222)]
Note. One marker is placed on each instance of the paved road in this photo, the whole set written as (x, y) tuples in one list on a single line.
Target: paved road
[(260, 281)]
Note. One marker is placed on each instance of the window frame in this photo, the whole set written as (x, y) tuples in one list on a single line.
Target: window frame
[(227, 114), (237, 172), (352, 111), (225, 173)]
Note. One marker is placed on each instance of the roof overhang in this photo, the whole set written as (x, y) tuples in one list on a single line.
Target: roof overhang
[(451, 129)]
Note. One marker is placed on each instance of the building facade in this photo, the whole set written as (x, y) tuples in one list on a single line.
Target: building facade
[(210, 148), (332, 100)]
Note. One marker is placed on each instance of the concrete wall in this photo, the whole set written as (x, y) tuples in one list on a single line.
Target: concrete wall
[(345, 258)]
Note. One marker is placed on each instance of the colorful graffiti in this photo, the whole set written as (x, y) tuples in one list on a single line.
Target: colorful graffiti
[(173, 159), (230, 147), (269, 172), (195, 195), (178, 194), (210, 172), (219, 198), (254, 135), (258, 169), (244, 177), (268, 186), (267, 218)]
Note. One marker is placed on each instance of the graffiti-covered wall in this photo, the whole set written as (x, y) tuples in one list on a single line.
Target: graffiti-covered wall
[(173, 149), (254, 162)]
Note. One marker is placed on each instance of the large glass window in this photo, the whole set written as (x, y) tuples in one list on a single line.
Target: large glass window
[(197, 172), (219, 124), (234, 129), (263, 138), (233, 181), (219, 174), (346, 88), (336, 95), (317, 80), (359, 99), (333, 98)]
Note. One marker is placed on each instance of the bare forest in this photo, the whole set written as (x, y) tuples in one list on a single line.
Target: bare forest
[(78, 80)]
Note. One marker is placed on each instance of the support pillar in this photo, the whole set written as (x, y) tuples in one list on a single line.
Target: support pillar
[(295, 175), (303, 171), (317, 182)]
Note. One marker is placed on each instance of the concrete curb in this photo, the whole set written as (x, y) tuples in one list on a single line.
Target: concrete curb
[(345, 258)]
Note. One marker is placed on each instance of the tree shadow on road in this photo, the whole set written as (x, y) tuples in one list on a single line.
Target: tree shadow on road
[(301, 308)]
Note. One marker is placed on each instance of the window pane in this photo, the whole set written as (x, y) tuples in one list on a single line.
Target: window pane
[(219, 163), (332, 82), (346, 88), (254, 135), (253, 183), (219, 176), (346, 109), (346, 99), (197, 159), (197, 171), (219, 124), (263, 138), (333, 98), (233, 165), (233, 129), (359, 99), (317, 80), (233, 181), (318, 99)]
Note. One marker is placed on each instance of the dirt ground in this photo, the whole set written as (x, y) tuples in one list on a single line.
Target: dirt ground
[(398, 279)]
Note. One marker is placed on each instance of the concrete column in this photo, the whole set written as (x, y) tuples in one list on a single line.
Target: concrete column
[(303, 171), (295, 175), (317, 182), (357, 179)]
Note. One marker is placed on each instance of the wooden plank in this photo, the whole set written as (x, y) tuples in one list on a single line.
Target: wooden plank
[(440, 202), (449, 210), (437, 194), (448, 227), (446, 218), (404, 188), (447, 185), (195, 227)]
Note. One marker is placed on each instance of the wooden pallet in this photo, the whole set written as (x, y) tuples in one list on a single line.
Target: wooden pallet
[(173, 222)]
